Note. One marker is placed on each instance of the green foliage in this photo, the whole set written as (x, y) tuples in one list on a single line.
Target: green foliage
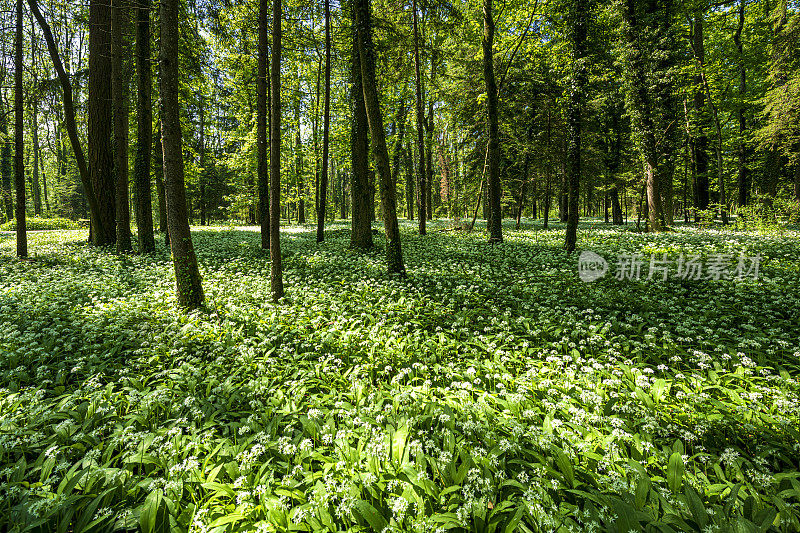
[(493, 391), (35, 223)]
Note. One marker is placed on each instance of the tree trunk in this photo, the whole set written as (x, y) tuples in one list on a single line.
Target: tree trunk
[(162, 197), (120, 49), (6, 164), (187, 274), (409, 161), (420, 125), (35, 190), (276, 268), (298, 164), (394, 254), (144, 130), (326, 126), (574, 120), (743, 175), (701, 139), (429, 140), (616, 209), (99, 127), (361, 233), (494, 190), (19, 147), (262, 134)]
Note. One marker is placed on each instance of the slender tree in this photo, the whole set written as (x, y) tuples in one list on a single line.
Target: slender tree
[(394, 253), (326, 126), (276, 269), (577, 96), (262, 134), (187, 274), (144, 130), (493, 152), (120, 49), (361, 228), (19, 147), (420, 116), (99, 127)]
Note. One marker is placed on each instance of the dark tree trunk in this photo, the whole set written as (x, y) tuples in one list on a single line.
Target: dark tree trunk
[(144, 130), (616, 209), (701, 140), (276, 267), (420, 125), (187, 274), (409, 161), (100, 128), (326, 126), (6, 160), (493, 152), (394, 253), (19, 147), (574, 120), (743, 175), (361, 233), (262, 140), (120, 33)]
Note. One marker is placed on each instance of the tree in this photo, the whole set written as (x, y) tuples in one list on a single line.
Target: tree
[(99, 127), (577, 96), (361, 228), (394, 253), (187, 274), (144, 130), (19, 147), (120, 49), (262, 120), (493, 152), (701, 139), (276, 269), (326, 126), (420, 116)]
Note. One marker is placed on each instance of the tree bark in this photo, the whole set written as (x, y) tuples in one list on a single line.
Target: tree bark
[(496, 220), (361, 233), (420, 119), (99, 127), (743, 175), (276, 267), (263, 120), (326, 126), (144, 130), (6, 165), (187, 274), (394, 254), (574, 120), (19, 147), (701, 139), (120, 49)]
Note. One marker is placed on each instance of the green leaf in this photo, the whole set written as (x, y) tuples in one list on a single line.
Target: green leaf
[(675, 472), (375, 519)]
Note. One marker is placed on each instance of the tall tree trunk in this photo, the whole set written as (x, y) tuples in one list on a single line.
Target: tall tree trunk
[(420, 125), (144, 130), (100, 128), (743, 174), (298, 161), (326, 127), (409, 162), (394, 253), (19, 147), (701, 139), (120, 33), (494, 190), (6, 165), (187, 274), (574, 119), (201, 148), (35, 190), (616, 209), (361, 233), (162, 197), (263, 120), (276, 267), (429, 139)]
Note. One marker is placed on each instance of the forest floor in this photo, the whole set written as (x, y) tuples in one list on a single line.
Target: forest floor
[(493, 390)]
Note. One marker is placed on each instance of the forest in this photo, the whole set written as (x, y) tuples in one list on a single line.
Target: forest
[(406, 265)]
